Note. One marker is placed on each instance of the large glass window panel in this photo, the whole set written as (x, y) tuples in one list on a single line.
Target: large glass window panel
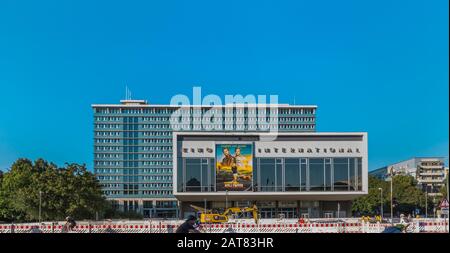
[(193, 175), (279, 171), (212, 175), (292, 174), (180, 176), (204, 182), (328, 174), (303, 175), (352, 174), (359, 175), (267, 174), (341, 180), (255, 175), (316, 174)]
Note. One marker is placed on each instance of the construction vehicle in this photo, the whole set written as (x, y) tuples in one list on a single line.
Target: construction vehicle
[(210, 216)]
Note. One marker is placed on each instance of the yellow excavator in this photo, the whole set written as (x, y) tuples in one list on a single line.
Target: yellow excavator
[(209, 216)]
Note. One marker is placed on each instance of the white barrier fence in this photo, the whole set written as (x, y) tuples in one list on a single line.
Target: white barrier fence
[(284, 226)]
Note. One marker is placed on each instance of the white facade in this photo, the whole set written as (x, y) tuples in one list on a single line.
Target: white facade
[(287, 145)]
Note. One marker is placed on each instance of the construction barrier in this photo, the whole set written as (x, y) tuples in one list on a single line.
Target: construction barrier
[(436, 226)]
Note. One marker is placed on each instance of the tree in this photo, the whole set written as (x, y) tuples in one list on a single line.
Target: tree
[(443, 189), (370, 204), (408, 195), (405, 191), (68, 191)]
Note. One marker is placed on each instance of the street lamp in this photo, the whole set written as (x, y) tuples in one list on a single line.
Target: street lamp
[(381, 202), (391, 172), (426, 201), (446, 216), (40, 205)]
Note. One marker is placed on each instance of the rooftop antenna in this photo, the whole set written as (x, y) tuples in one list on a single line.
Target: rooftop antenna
[(294, 100), (127, 93)]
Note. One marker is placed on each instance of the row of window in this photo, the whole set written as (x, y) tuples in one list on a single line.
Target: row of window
[(107, 133), (434, 163), (297, 119), (107, 110), (217, 118), (166, 133), (226, 127), (155, 185), (135, 171), (161, 155), (296, 126), (156, 126), (134, 149), (157, 148), (157, 163), (111, 185), (279, 174), (144, 163), (203, 110), (108, 193), (198, 119), (228, 112), (157, 140), (155, 118), (186, 125), (152, 185), (115, 141), (157, 193), (108, 171), (133, 192), (243, 111), (166, 177), (107, 118), (107, 163), (125, 178), (107, 148), (107, 156), (158, 170), (107, 126), (297, 111), (109, 178), (132, 141)]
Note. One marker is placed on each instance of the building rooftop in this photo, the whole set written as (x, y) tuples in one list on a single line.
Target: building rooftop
[(144, 103)]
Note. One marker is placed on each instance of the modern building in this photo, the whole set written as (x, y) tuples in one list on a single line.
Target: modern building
[(293, 175), (133, 146), (428, 171)]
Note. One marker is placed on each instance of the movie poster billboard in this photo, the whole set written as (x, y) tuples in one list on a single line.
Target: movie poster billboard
[(234, 167)]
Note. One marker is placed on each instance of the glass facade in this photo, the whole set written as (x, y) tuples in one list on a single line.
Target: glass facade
[(280, 174)]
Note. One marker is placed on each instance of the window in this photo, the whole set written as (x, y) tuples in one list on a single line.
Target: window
[(328, 174), (316, 174), (292, 174), (341, 174), (352, 174), (196, 174), (279, 175), (193, 176), (148, 204), (304, 181), (267, 174), (359, 174)]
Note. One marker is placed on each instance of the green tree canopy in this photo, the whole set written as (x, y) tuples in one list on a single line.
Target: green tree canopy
[(405, 191), (68, 191)]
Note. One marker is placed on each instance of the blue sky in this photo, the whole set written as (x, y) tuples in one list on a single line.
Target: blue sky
[(375, 66)]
